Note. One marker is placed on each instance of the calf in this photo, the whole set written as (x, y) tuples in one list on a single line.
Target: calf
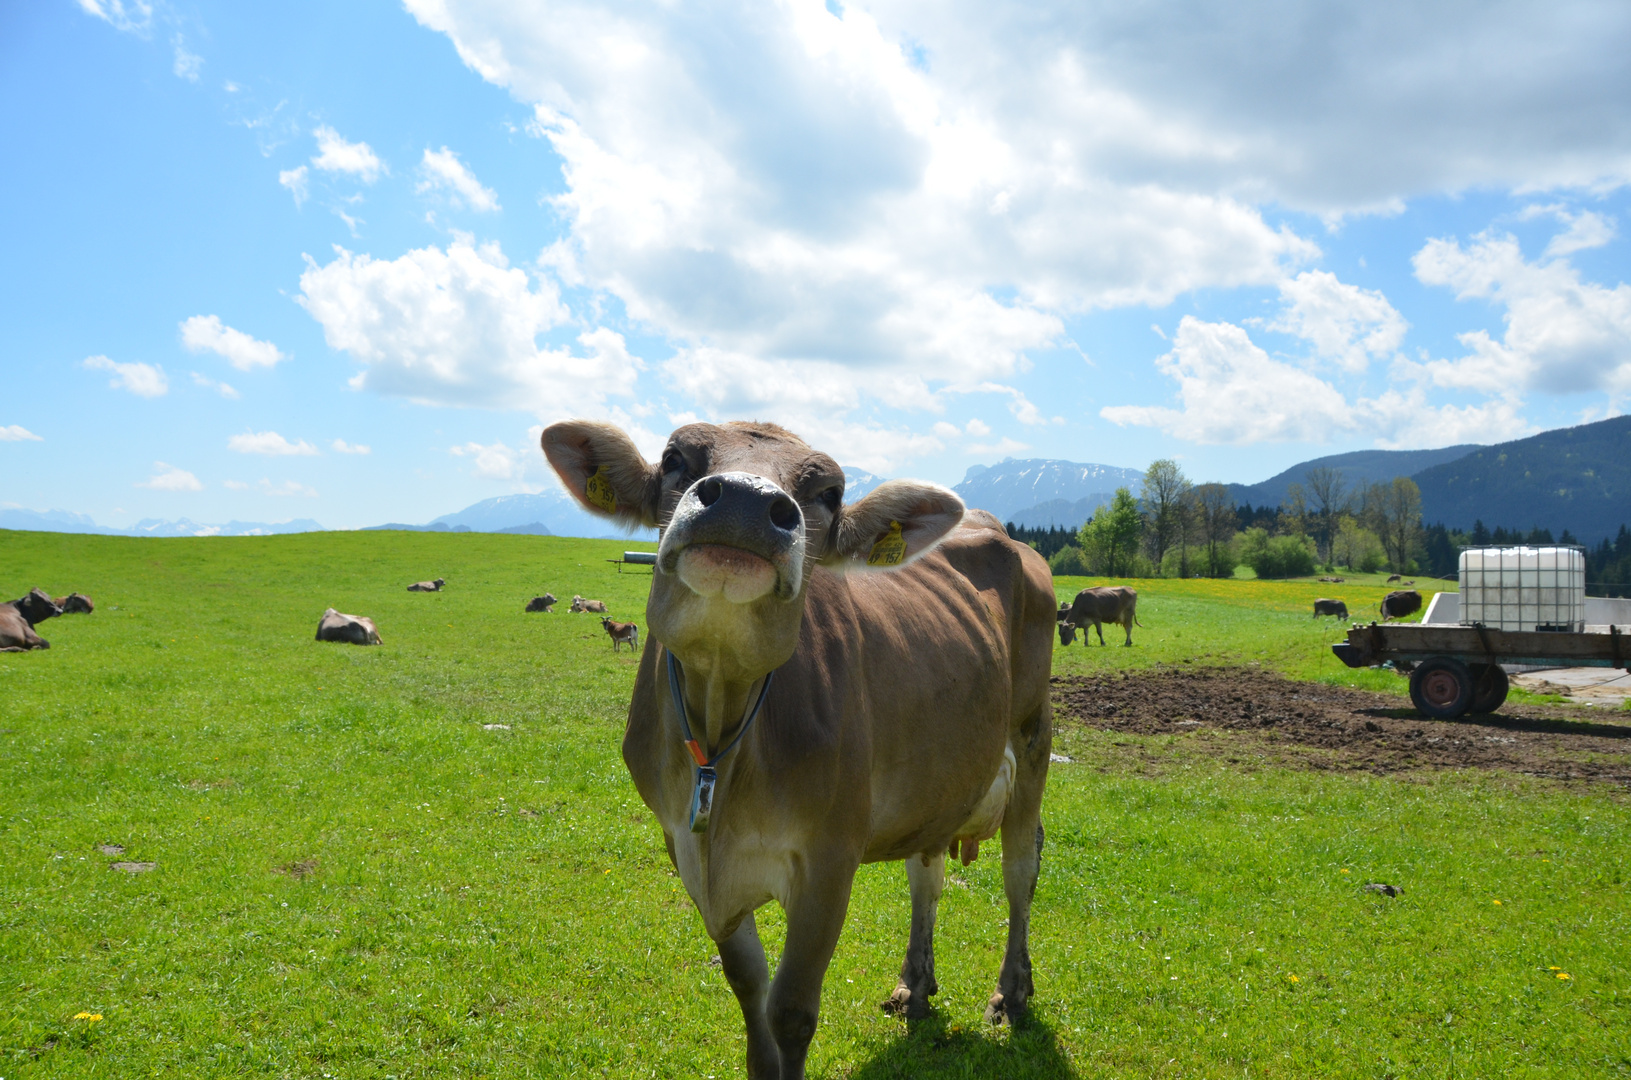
[(900, 686), (75, 604), (1330, 607), (623, 633), (427, 586), (351, 629), (542, 603), (1401, 602), (580, 604)]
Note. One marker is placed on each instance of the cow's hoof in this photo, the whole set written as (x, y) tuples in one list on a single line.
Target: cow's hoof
[(904, 1004), (999, 1009)]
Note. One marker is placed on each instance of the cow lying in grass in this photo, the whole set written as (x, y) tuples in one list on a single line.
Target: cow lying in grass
[(580, 604), (542, 603), (75, 604), (427, 586), (351, 629), (622, 633), (15, 633), (895, 655)]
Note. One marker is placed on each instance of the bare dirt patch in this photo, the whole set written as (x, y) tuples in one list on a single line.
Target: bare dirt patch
[(299, 870), (1331, 727)]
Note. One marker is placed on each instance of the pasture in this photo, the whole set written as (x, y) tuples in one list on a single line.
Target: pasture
[(425, 859)]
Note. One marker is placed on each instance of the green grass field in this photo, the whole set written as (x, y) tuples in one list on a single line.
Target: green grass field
[(356, 876)]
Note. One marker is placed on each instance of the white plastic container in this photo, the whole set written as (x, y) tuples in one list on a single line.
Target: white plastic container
[(1524, 588)]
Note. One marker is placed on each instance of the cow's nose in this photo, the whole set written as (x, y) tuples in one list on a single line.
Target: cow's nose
[(748, 498)]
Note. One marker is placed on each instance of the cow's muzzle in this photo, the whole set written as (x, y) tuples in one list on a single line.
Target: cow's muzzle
[(737, 535)]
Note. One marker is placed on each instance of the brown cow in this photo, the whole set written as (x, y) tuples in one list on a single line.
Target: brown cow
[(351, 629), (427, 586), (623, 633), (1399, 603), (1391, 578), (908, 714), (542, 603), (1114, 604), (1323, 606), (75, 604), (580, 604), (15, 633), (36, 607)]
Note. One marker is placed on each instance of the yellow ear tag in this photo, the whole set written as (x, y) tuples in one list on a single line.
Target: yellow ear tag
[(890, 549), (598, 490)]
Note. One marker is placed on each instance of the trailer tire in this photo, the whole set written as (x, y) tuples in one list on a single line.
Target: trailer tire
[(1490, 686), (1441, 687)]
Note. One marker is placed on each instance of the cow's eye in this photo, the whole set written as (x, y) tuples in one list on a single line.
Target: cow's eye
[(673, 462), (831, 497)]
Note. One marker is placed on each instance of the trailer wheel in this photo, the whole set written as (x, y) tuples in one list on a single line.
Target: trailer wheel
[(1490, 686), (1441, 687)]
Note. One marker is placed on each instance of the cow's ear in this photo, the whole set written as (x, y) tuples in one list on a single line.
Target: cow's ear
[(893, 524), (604, 471)]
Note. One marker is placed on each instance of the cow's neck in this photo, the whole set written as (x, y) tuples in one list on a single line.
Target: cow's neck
[(717, 696)]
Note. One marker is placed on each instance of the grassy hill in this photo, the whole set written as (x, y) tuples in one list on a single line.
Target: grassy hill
[(1357, 468), (1576, 478)]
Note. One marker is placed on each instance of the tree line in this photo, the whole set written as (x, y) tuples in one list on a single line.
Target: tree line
[(1176, 528)]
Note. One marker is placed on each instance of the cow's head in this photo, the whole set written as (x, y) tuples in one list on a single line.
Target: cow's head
[(36, 607), (746, 511)]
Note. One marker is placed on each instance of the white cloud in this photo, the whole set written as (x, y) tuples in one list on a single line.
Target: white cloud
[(206, 333), (1002, 448), (143, 380), (1231, 391), (236, 485), (169, 478), (187, 64), (219, 387), (334, 154), (343, 447), (135, 19), (18, 433), (269, 443), (1563, 335), (288, 488), (947, 431), (494, 462), (460, 327), (296, 181), (1346, 324), (1586, 229), (443, 171), (978, 428)]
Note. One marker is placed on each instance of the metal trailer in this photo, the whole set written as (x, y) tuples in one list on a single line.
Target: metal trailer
[(1455, 670), (636, 558)]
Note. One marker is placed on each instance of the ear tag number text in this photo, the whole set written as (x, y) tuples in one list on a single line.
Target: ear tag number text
[(598, 490), (890, 549)]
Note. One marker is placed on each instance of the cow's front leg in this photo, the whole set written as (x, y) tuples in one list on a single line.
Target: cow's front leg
[(927, 877), (815, 915), (743, 958)]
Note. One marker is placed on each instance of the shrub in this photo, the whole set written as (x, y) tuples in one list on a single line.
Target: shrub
[(1068, 562), (1277, 556)]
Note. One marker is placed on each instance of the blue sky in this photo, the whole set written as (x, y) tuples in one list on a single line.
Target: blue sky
[(248, 241)]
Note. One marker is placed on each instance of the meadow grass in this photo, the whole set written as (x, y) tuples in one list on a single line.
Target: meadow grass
[(357, 877)]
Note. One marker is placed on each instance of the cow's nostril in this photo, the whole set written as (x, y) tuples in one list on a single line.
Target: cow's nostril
[(784, 514), (709, 490)]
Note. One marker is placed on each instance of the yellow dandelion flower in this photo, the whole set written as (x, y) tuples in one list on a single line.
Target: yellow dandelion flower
[(1497, 903), (92, 1017), (1554, 967), (1293, 978), (1564, 975), (1345, 871)]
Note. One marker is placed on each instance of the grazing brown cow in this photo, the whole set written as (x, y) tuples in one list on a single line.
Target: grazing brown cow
[(1114, 604), (15, 633), (908, 715), (75, 604), (1330, 607), (623, 633), (1399, 603), (542, 603), (351, 629), (580, 604), (427, 586), (1391, 578), (36, 607)]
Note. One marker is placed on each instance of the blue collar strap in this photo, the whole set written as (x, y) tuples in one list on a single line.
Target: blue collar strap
[(702, 793)]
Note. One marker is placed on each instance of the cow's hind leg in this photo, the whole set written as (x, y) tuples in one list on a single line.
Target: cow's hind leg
[(1021, 862), (927, 877), (742, 956)]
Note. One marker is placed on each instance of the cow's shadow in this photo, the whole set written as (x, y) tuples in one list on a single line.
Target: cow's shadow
[(935, 1047)]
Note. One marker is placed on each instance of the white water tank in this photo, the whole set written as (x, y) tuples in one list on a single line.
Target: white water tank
[(1524, 588)]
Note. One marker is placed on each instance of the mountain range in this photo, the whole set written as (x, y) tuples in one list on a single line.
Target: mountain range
[(1576, 478)]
